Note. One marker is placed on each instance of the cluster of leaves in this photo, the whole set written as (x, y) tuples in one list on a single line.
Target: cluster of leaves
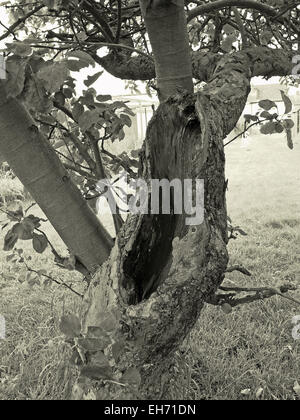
[(71, 123), (24, 227), (31, 277), (271, 122), (99, 350), (42, 84)]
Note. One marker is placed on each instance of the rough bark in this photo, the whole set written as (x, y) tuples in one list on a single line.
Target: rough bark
[(146, 298), (264, 62)]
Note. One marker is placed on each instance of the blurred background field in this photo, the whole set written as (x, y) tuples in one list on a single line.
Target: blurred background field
[(248, 354)]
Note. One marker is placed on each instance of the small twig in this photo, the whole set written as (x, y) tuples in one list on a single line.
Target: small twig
[(116, 158), (238, 268), (241, 27), (260, 294), (119, 25), (29, 207), (240, 134), (53, 280)]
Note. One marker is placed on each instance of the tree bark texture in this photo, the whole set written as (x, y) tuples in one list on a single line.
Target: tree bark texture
[(167, 30), (160, 271), (263, 61)]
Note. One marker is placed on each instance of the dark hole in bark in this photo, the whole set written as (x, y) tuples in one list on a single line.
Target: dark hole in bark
[(151, 253)]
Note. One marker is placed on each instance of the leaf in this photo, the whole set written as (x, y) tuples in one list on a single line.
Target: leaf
[(288, 123), (23, 230), (247, 117), (53, 75), (266, 37), (92, 344), (35, 96), (117, 349), (52, 4), (60, 98), (69, 262), (96, 372), (135, 153), (289, 138), (121, 134), (103, 98), (34, 220), (226, 308), (92, 79), (10, 240), (42, 272), (33, 281), (77, 110), (68, 93), (82, 56), (126, 120), (132, 377), (15, 67), (19, 48), (39, 243), (82, 36), (267, 115), (76, 65), (268, 128), (226, 44), (228, 29), (278, 127), (287, 102), (99, 359), (70, 325), (266, 104), (87, 119), (109, 323), (241, 231), (15, 214)]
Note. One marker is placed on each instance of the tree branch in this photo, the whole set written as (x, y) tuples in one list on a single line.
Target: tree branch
[(238, 268), (220, 4), (92, 7), (119, 25), (241, 27), (20, 21), (263, 61), (260, 294)]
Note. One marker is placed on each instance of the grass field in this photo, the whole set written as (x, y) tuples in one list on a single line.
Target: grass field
[(248, 354)]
